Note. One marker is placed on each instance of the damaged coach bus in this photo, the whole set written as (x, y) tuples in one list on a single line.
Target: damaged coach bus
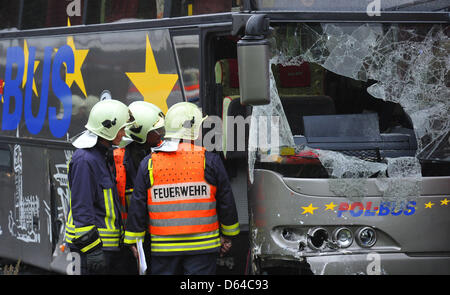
[(333, 121), (358, 180)]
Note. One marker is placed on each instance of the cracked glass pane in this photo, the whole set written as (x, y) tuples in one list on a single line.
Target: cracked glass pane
[(369, 68), (270, 128), (409, 64)]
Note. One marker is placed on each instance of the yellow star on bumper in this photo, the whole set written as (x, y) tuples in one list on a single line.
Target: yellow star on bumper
[(444, 202), (330, 206), (153, 86), (309, 209), (429, 205)]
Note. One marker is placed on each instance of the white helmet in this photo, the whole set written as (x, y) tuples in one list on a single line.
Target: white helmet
[(147, 117), (183, 121), (106, 119)]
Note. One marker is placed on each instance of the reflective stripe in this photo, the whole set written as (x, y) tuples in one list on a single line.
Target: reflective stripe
[(186, 237), (70, 228), (105, 232), (110, 217), (90, 246), (110, 238), (182, 207), (110, 242), (130, 237), (192, 246), (184, 221), (150, 171), (230, 230), (69, 238), (82, 230)]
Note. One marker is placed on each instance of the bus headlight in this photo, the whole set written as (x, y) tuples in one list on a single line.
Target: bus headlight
[(317, 238), (366, 237), (343, 237)]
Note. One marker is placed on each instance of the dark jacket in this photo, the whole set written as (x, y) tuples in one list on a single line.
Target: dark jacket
[(94, 201)]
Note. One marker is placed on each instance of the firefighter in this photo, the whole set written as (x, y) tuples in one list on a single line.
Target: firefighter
[(182, 195), (94, 226), (146, 132)]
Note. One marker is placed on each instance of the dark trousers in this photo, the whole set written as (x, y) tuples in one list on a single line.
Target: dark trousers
[(201, 264), (113, 263)]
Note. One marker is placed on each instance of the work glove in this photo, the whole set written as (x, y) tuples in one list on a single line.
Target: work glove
[(225, 244), (96, 263)]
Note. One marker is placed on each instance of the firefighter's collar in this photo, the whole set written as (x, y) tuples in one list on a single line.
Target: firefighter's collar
[(167, 146), (87, 139)]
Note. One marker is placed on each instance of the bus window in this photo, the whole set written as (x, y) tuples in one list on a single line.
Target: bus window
[(188, 57), (9, 14), (5, 159)]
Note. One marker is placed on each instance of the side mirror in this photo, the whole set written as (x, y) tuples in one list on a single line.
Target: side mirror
[(253, 62)]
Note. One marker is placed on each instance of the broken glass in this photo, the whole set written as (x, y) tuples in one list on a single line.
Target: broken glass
[(408, 64), (270, 128)]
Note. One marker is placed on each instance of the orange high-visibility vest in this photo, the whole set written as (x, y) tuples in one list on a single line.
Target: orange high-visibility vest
[(121, 180), (180, 200)]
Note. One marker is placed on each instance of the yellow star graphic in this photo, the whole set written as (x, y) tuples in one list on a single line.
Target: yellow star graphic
[(444, 202), (330, 206), (153, 86), (79, 57), (309, 209), (25, 70), (429, 205)]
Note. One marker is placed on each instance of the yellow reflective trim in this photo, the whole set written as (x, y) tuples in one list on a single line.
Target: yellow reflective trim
[(130, 237), (110, 216), (83, 229), (181, 238), (230, 230), (153, 249), (110, 234), (129, 241), (228, 227), (134, 234), (150, 171), (184, 244), (92, 245), (69, 238), (70, 228)]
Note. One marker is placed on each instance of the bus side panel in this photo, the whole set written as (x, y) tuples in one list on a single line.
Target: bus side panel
[(58, 165), (26, 218)]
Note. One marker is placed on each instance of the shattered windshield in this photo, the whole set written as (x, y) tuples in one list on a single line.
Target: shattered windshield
[(388, 81)]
